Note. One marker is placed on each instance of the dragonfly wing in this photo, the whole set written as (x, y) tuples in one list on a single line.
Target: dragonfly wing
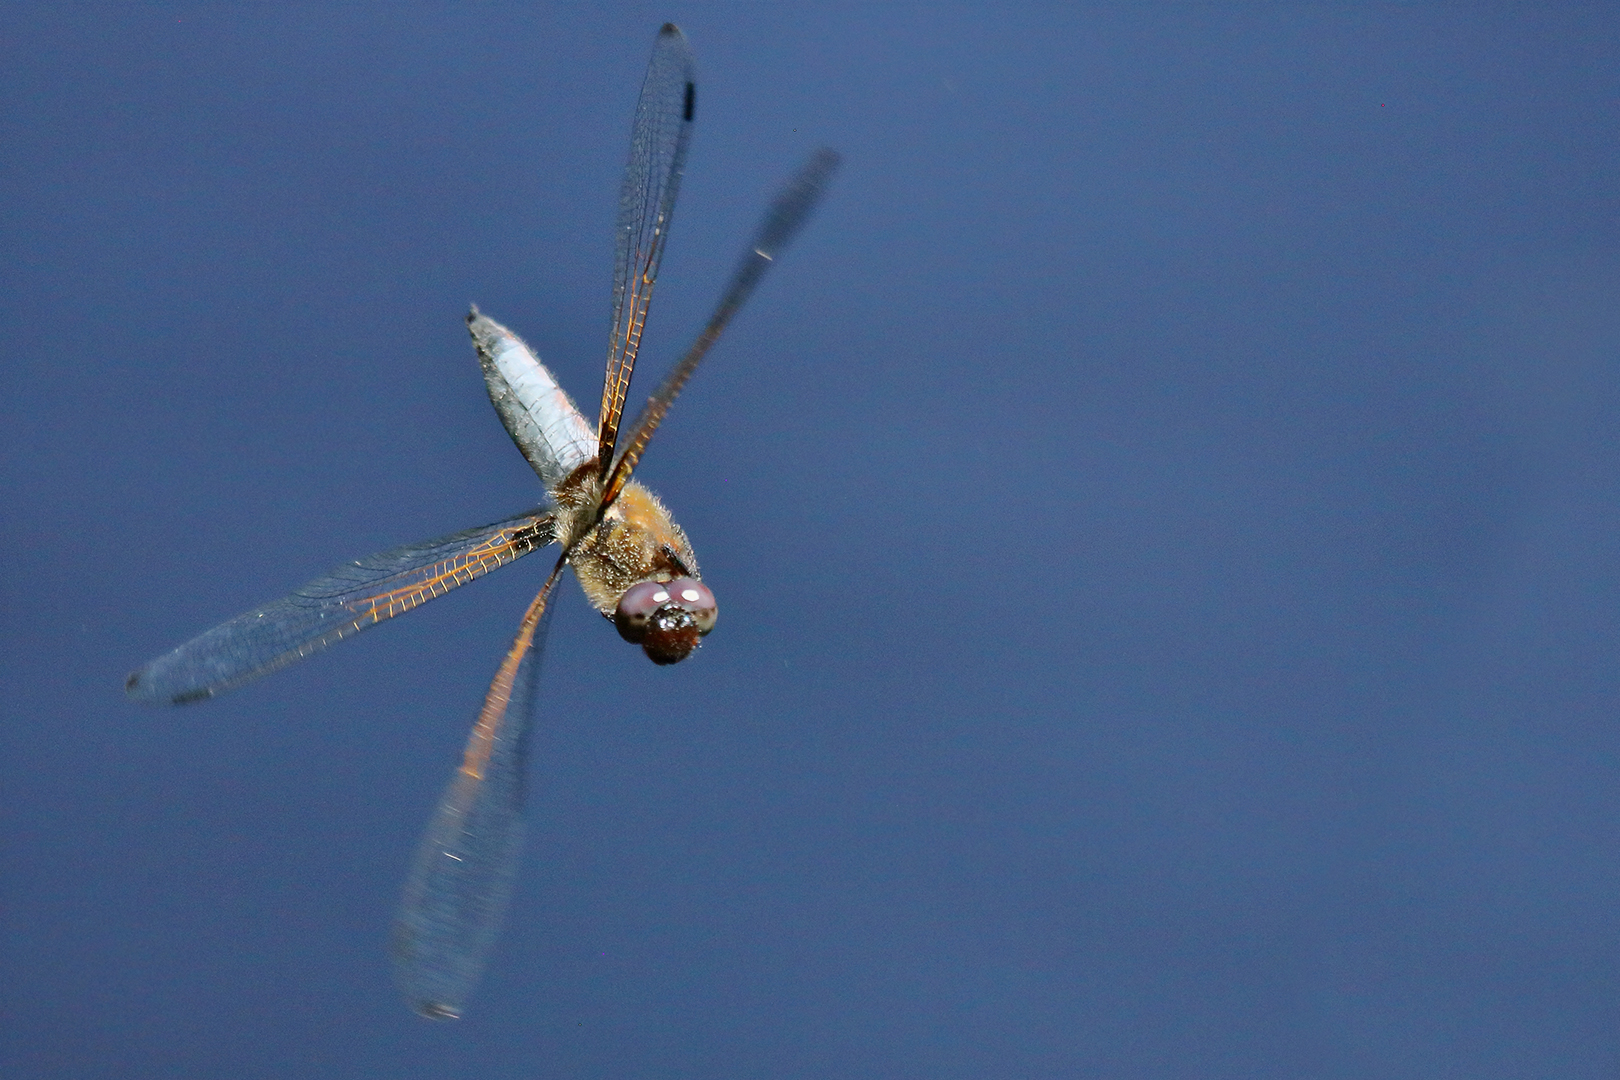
[(538, 414), (787, 214), (652, 179), (345, 601), (461, 879)]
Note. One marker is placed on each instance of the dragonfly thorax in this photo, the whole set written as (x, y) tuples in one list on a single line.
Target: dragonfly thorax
[(636, 541), (577, 497)]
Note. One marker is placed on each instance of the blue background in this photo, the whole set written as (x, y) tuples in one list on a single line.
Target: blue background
[(1165, 513)]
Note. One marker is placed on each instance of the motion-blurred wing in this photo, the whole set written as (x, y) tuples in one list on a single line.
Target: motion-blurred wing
[(782, 222), (461, 879), (539, 416), (652, 178), (345, 601)]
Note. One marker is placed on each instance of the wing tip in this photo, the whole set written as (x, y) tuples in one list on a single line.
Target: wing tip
[(435, 1010), (138, 686)]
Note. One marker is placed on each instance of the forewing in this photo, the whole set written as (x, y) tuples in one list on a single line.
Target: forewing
[(336, 605), (461, 879), (652, 178), (538, 414), (787, 214)]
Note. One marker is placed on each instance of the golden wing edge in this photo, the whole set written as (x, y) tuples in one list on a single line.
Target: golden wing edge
[(346, 600)]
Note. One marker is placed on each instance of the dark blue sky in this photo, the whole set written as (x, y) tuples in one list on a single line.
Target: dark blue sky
[(1165, 513)]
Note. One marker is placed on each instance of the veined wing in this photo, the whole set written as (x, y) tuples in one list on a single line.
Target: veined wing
[(539, 416), (782, 222), (344, 602), (461, 879), (652, 178)]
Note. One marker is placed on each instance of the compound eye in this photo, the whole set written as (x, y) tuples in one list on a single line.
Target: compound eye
[(692, 595), (636, 608)]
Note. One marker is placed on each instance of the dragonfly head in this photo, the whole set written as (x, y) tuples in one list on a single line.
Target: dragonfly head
[(666, 618)]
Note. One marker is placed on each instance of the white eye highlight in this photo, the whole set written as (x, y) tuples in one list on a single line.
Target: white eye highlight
[(637, 607), (666, 618), (695, 598)]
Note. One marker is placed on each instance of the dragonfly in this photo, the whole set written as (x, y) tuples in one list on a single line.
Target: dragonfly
[(634, 563)]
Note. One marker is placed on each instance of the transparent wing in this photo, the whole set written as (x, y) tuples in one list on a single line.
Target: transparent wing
[(538, 414), (652, 179), (461, 879), (345, 601), (786, 216)]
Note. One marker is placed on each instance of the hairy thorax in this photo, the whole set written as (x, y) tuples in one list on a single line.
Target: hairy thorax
[(635, 541)]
